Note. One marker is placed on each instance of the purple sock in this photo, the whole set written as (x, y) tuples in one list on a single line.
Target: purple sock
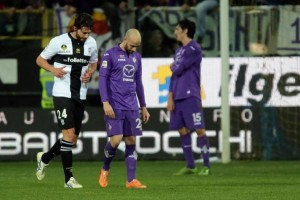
[(186, 143), (203, 143), (130, 159), (109, 154)]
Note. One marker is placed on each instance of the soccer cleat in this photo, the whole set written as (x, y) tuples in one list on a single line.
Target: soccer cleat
[(103, 178), (72, 183), (186, 170), (40, 170), (205, 171), (135, 184)]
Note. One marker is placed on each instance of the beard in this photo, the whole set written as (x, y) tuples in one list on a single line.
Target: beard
[(81, 39), (127, 49)]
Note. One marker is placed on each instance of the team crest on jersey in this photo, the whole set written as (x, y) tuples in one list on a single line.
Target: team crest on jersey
[(77, 50), (64, 49), (134, 59)]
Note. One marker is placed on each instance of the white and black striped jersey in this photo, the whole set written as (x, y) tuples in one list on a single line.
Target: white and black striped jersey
[(75, 56)]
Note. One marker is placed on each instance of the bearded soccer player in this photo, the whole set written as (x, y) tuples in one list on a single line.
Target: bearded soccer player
[(184, 100), (121, 89), (75, 57)]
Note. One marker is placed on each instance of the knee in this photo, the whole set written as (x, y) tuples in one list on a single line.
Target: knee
[(129, 140), (115, 143), (200, 132), (70, 136), (116, 140), (183, 131)]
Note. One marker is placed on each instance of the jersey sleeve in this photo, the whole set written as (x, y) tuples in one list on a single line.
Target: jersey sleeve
[(94, 53), (50, 50), (186, 61), (104, 70), (139, 84), (171, 86)]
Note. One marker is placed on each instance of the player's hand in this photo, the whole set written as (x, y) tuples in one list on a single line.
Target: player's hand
[(108, 111), (170, 104), (59, 72), (86, 77), (145, 115)]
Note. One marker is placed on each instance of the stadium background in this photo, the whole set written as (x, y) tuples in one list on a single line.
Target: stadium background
[(265, 128)]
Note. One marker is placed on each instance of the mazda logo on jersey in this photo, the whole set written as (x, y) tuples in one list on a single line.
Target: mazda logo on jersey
[(128, 71)]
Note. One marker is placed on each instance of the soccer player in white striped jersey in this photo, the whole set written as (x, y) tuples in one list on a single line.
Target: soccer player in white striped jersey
[(75, 58)]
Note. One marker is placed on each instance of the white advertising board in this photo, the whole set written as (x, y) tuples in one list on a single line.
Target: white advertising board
[(268, 81)]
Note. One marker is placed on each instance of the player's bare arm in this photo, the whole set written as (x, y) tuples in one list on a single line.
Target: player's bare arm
[(89, 72), (58, 72), (170, 104)]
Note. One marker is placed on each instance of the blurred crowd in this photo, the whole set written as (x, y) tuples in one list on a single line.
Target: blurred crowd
[(111, 18)]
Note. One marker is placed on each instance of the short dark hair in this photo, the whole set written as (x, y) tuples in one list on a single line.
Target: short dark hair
[(189, 25), (83, 20)]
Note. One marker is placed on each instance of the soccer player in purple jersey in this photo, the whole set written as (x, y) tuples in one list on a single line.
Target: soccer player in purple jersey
[(184, 100), (120, 86)]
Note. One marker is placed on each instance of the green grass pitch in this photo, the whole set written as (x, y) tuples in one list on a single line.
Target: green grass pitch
[(241, 180)]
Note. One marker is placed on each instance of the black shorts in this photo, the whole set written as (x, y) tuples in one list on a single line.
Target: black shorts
[(69, 113)]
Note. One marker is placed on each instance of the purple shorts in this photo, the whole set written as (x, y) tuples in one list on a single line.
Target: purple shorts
[(188, 113), (126, 122)]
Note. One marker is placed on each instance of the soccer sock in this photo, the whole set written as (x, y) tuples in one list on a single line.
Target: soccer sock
[(186, 143), (204, 146), (109, 154), (54, 151), (130, 158), (67, 158)]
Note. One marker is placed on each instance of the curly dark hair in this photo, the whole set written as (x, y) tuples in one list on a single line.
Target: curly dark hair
[(83, 20)]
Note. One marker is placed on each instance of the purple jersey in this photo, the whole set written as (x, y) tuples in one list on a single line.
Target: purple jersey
[(185, 80), (120, 79)]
